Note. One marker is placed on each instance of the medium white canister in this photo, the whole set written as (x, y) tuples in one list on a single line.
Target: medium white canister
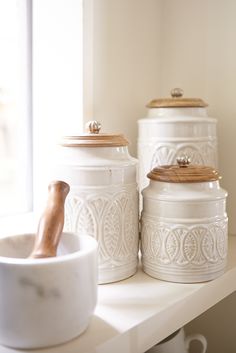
[(184, 224), (103, 200), (175, 126)]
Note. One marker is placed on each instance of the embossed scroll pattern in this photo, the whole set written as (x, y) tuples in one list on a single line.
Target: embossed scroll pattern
[(111, 218), (200, 153), (156, 154), (184, 246)]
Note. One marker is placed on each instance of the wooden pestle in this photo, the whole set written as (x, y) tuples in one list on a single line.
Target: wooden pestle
[(51, 222)]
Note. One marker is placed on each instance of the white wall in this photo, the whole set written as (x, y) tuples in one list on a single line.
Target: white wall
[(218, 326), (198, 53), (142, 49), (126, 63)]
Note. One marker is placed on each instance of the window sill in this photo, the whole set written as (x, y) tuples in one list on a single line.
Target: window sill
[(17, 224)]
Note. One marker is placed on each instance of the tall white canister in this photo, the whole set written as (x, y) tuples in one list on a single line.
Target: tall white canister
[(175, 126), (103, 199)]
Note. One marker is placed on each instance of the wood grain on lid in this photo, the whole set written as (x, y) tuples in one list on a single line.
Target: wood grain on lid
[(189, 174), (177, 102), (95, 140)]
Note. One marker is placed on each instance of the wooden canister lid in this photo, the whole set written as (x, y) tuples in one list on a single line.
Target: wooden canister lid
[(94, 138), (177, 101), (184, 172)]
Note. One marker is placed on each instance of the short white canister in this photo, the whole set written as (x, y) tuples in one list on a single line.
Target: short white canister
[(184, 223), (103, 200), (175, 126)]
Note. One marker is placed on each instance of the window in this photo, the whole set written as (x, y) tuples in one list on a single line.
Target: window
[(57, 82), (41, 94), (15, 107)]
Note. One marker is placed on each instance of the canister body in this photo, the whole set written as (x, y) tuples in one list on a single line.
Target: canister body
[(169, 132), (184, 231), (103, 202)]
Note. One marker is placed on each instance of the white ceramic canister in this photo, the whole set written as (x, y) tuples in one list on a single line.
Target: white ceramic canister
[(175, 126), (103, 199), (184, 224)]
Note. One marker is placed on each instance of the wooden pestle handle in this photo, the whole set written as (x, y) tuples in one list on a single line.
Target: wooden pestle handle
[(51, 222)]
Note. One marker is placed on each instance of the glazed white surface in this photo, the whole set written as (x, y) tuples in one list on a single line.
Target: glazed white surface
[(167, 133), (176, 112), (103, 202), (184, 229)]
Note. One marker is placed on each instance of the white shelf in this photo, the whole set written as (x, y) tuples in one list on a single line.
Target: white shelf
[(134, 314)]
